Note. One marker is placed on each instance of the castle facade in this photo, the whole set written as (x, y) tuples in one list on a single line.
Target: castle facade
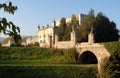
[(46, 34)]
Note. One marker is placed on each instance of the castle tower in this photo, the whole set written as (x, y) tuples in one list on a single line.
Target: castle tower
[(91, 37)]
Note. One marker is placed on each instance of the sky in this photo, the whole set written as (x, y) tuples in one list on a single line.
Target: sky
[(31, 13)]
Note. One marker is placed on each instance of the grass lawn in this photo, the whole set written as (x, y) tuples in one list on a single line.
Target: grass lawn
[(33, 62), (36, 70)]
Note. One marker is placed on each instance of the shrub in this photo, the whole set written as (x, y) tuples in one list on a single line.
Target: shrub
[(70, 55), (46, 55), (111, 67)]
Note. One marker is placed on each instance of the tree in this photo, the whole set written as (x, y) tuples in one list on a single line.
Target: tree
[(61, 29), (67, 32), (88, 22), (86, 26), (104, 29), (74, 21), (9, 28)]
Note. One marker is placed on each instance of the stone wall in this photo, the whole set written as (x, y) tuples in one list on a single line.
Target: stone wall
[(30, 40), (66, 44), (63, 44), (45, 36)]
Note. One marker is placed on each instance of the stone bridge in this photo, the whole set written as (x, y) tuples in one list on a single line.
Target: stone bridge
[(92, 53)]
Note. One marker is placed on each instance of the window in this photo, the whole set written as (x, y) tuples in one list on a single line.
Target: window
[(40, 41), (44, 36), (44, 41)]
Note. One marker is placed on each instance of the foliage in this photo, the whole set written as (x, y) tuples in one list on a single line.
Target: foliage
[(111, 67), (9, 28), (104, 29), (22, 53), (74, 22), (71, 55), (42, 55), (65, 29), (62, 28), (86, 25)]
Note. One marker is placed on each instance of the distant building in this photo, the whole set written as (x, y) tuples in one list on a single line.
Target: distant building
[(46, 36), (9, 43), (80, 17), (31, 40)]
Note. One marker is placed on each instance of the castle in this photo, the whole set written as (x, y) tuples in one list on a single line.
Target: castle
[(46, 36)]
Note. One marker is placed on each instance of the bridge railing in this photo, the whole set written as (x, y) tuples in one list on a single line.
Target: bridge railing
[(88, 45)]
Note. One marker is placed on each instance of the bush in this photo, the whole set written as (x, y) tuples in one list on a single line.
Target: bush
[(111, 68), (71, 55), (43, 55), (22, 53)]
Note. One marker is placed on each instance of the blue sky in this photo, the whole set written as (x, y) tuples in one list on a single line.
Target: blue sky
[(30, 13)]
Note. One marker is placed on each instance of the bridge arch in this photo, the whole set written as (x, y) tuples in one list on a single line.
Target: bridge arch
[(87, 57)]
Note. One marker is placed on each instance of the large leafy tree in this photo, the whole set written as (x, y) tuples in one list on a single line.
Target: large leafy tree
[(74, 22), (61, 29), (104, 29), (65, 29), (88, 22), (8, 27), (86, 25)]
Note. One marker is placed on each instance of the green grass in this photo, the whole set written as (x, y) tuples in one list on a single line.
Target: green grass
[(34, 62), (112, 47), (36, 54), (59, 71)]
